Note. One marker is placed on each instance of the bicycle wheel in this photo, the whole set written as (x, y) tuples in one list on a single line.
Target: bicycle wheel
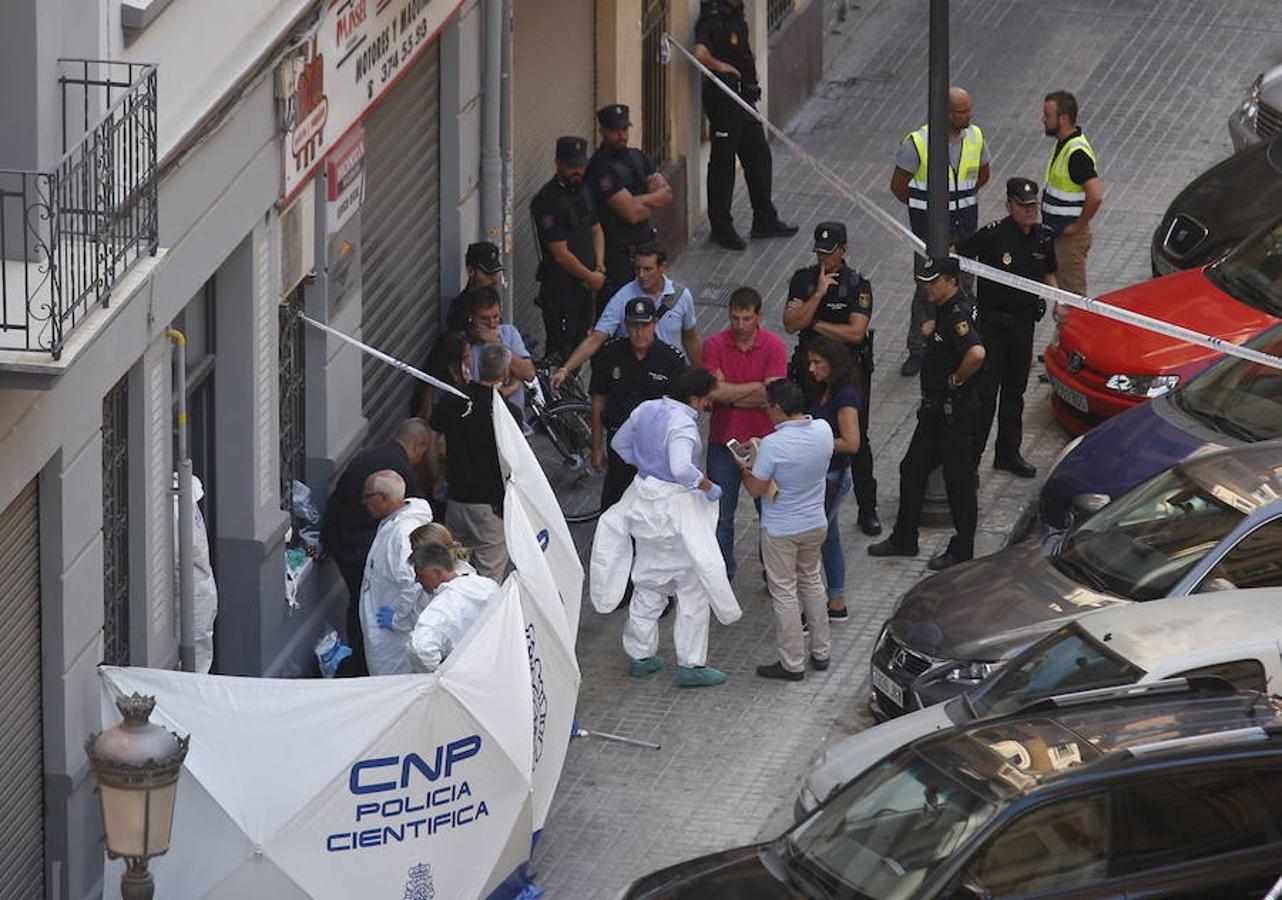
[(563, 447)]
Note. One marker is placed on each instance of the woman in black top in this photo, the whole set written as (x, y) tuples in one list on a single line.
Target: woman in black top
[(835, 397)]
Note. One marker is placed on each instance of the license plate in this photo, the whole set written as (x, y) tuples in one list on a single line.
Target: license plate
[(884, 683), (1075, 399)]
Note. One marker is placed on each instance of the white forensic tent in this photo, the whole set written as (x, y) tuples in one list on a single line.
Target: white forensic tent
[(352, 787)]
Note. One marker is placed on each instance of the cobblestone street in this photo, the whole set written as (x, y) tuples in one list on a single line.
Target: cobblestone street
[(732, 757)]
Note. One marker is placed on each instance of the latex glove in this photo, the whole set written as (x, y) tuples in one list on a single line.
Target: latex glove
[(713, 493), (385, 616)]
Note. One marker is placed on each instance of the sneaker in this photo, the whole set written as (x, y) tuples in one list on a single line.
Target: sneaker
[(838, 615), (643, 668), (805, 626), (777, 671), (888, 547), (819, 665), (729, 240), (699, 676), (911, 366), (777, 228)]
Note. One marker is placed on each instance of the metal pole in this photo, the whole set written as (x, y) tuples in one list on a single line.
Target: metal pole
[(186, 555), (937, 237), (136, 883), (492, 125)]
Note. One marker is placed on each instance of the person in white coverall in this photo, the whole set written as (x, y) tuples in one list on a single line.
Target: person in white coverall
[(457, 599), (204, 590), (389, 580), (670, 511)]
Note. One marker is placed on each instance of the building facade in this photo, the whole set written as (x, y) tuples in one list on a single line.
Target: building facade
[(176, 167)]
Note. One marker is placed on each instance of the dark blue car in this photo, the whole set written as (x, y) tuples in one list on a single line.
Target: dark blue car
[(1232, 402)]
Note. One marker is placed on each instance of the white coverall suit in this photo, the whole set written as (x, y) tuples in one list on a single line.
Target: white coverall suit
[(204, 589), (389, 581), (674, 527), (453, 609)]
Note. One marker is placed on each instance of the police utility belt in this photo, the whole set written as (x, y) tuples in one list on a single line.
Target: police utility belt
[(750, 91)]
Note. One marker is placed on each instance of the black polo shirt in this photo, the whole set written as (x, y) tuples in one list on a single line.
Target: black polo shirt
[(627, 381), (723, 29), (347, 528), (471, 455), (1003, 245), (851, 294), (564, 213), (955, 333), (610, 171)]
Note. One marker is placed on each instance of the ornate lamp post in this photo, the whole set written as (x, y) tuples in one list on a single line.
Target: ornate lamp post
[(136, 764)]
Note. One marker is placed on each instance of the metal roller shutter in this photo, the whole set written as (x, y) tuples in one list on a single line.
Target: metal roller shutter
[(22, 864), (400, 239), (554, 44)]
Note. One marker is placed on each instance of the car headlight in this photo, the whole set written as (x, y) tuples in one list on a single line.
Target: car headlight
[(1142, 385), (1251, 103), (971, 672)]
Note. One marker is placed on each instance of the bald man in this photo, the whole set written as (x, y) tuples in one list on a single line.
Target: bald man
[(968, 171), (391, 598)]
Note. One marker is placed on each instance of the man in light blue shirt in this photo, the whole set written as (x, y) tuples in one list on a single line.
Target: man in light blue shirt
[(674, 307), (661, 438), (793, 527), (487, 327)]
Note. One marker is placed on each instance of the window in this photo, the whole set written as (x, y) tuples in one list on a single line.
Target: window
[(776, 12), (1061, 845), (1177, 820), (292, 383), (1243, 674), (1256, 561), (654, 82), (115, 524)]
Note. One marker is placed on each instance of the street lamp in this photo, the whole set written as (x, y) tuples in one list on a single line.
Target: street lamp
[(136, 764)]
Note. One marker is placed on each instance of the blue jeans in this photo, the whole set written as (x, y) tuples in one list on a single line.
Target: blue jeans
[(724, 471), (834, 558)]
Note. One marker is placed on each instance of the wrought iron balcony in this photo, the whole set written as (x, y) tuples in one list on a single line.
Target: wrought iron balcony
[(70, 234)]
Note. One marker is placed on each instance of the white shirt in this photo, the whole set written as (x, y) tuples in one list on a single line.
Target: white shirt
[(661, 438)]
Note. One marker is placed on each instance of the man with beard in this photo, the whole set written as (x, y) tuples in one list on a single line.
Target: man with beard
[(1072, 191), (626, 188), (572, 242)]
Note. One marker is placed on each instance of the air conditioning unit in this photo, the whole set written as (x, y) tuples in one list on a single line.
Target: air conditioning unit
[(297, 241)]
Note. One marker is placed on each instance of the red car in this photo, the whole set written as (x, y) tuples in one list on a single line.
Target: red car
[(1100, 367)]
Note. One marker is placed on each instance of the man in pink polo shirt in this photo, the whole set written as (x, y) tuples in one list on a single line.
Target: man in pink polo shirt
[(744, 358)]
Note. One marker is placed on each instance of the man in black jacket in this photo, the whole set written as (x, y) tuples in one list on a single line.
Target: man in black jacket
[(347, 528)]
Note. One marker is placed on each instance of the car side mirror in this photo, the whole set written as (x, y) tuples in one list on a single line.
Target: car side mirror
[(1212, 585), (1085, 504)]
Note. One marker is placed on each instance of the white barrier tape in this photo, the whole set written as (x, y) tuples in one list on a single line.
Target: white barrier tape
[(1036, 288), (390, 360)]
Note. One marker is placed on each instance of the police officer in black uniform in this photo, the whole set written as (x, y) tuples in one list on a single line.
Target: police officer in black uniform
[(1021, 245), (484, 269), (832, 299), (627, 372), (721, 44), (626, 187), (954, 353), (572, 248)]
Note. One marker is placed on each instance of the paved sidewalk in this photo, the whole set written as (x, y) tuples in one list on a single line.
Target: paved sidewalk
[(1156, 80)]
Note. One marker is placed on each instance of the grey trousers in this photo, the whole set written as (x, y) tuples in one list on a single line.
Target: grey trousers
[(479, 529), (794, 574)]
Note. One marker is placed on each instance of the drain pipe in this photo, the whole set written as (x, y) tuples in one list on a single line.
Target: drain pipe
[(491, 134), (186, 557)]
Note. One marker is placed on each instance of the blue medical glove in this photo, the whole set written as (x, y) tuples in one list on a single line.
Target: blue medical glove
[(714, 493), (385, 616)]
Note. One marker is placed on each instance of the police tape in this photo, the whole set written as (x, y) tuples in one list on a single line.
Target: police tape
[(390, 360), (1037, 288)]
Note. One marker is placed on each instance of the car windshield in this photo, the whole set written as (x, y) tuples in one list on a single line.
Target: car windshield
[(1064, 661), (1253, 272), (1143, 543), (889, 829), (1238, 398)]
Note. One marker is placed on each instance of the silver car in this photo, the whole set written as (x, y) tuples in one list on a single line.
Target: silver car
[(1206, 524), (1259, 116)]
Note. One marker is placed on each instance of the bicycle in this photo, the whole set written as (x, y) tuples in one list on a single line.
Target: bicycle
[(562, 442)]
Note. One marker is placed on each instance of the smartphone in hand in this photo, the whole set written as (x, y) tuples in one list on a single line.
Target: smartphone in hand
[(743, 452)]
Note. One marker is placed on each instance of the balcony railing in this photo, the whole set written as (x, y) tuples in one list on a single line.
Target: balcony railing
[(70, 234), (776, 12)]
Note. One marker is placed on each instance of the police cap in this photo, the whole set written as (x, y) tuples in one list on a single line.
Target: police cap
[(1021, 190), (571, 150), (639, 311), (927, 268), (614, 116), (484, 256), (829, 236)]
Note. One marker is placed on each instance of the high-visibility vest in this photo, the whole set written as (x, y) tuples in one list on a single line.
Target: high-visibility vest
[(963, 185), (1063, 198)]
